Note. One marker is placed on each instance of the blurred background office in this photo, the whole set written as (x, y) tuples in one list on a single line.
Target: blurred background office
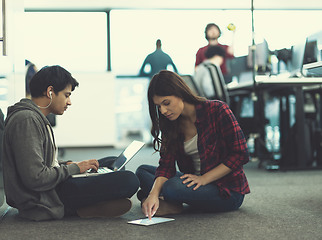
[(105, 53)]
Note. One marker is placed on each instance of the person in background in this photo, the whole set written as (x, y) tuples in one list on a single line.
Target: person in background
[(205, 141), (215, 55), (212, 34), (31, 70), (35, 182), (158, 60)]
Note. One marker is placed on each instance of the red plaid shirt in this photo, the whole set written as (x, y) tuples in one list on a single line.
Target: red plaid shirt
[(220, 140)]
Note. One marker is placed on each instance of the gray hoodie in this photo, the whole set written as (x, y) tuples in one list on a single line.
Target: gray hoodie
[(30, 178)]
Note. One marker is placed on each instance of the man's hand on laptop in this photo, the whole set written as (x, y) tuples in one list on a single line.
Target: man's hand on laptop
[(88, 164)]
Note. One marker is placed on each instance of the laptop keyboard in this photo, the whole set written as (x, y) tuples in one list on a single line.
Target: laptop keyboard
[(102, 170)]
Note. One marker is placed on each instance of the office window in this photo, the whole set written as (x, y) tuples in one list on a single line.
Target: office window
[(134, 34), (1, 31), (284, 28), (74, 40)]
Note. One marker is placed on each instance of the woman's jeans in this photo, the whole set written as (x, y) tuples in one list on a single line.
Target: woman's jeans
[(205, 198), (76, 193)]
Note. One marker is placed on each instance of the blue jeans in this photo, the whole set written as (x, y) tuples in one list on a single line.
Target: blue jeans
[(76, 193), (205, 198)]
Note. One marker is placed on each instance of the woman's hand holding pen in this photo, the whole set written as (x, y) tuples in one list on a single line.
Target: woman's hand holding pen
[(192, 179)]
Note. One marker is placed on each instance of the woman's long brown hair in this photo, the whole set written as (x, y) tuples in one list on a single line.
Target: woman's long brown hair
[(166, 133)]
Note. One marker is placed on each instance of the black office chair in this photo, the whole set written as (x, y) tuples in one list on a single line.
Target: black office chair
[(2, 195), (191, 83), (218, 82)]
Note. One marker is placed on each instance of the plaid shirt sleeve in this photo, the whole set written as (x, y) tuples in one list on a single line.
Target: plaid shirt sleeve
[(221, 140), (234, 138), (166, 166)]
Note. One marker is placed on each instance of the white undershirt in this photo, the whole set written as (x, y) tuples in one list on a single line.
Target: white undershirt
[(55, 161), (191, 148)]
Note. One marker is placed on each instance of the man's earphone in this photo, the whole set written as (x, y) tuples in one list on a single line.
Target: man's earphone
[(51, 99)]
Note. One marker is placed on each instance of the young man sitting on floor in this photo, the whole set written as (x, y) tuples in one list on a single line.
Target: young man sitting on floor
[(38, 185)]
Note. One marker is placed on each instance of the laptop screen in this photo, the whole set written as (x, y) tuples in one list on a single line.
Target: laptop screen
[(127, 154)]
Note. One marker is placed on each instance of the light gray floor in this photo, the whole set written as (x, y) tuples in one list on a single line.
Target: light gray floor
[(282, 205)]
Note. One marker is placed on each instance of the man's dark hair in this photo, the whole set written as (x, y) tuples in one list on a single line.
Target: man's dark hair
[(55, 76), (158, 43), (210, 25), (215, 50)]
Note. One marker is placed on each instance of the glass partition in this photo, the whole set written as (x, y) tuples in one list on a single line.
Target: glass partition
[(75, 40)]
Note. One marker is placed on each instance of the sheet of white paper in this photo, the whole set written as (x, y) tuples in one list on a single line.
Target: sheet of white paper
[(154, 220)]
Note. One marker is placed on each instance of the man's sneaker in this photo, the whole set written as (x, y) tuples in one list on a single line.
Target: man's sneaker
[(168, 208), (112, 208)]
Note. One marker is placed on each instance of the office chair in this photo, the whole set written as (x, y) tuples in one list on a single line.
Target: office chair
[(191, 83), (253, 126), (218, 82), (2, 195)]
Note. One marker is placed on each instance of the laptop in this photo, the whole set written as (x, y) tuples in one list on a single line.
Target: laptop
[(129, 152)]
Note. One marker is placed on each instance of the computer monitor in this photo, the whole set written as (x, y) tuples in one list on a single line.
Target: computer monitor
[(237, 65), (297, 56), (261, 56), (312, 62), (311, 53)]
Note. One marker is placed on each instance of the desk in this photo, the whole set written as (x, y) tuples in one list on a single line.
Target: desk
[(283, 85), (262, 81)]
